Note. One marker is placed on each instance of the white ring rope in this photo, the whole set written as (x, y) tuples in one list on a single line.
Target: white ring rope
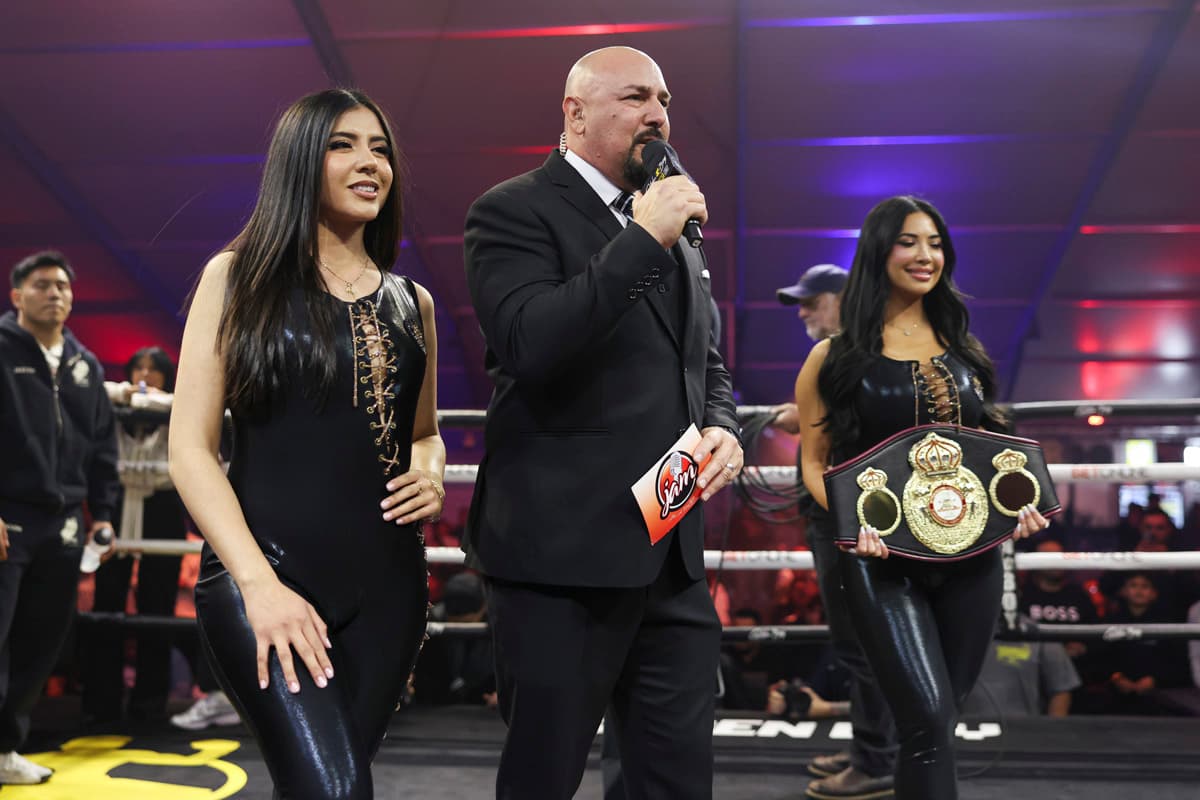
[(800, 559), (786, 476), (778, 559), (1080, 409), (1026, 631), (1059, 473)]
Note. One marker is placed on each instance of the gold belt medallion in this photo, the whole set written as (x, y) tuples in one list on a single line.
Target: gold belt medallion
[(1013, 487), (944, 503), (878, 506)]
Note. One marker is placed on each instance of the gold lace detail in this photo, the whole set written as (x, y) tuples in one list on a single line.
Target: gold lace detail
[(413, 327), (934, 384), (374, 375)]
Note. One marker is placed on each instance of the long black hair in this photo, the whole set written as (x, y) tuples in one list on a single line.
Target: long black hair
[(277, 252), (863, 303), (159, 361)]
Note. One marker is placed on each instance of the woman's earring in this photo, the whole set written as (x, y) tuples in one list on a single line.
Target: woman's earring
[(562, 143)]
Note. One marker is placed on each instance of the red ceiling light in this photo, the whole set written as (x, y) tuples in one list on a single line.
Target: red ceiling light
[(601, 29), (1093, 230), (1095, 420)]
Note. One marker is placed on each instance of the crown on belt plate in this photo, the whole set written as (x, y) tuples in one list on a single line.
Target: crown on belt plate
[(935, 456)]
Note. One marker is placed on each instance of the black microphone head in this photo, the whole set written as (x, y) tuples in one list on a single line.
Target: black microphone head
[(654, 151), (661, 161)]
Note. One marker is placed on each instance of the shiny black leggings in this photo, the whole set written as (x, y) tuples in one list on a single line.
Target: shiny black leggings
[(926, 629), (318, 744)]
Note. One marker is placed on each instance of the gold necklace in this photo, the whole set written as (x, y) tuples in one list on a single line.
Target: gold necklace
[(349, 284), (908, 331)]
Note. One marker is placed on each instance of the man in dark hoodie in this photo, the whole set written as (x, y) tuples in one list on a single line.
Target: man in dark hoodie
[(57, 449)]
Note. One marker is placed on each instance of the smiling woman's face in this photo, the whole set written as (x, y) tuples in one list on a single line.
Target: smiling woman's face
[(915, 263), (358, 173)]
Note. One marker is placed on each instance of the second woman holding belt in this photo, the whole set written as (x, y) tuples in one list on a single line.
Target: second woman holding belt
[(905, 358)]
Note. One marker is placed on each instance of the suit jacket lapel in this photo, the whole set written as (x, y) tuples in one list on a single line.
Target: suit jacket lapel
[(575, 190), (691, 264)]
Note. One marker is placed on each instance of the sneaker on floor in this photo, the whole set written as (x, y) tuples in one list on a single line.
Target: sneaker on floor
[(214, 709), (850, 784), (38, 767), (829, 764), (16, 769)]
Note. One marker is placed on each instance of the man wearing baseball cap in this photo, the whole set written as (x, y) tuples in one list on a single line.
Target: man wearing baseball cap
[(865, 769), (819, 295)]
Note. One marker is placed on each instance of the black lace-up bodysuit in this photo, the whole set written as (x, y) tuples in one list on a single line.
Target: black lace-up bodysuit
[(310, 477), (925, 627)]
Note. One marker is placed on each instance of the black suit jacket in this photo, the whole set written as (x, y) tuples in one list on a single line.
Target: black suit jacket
[(592, 383)]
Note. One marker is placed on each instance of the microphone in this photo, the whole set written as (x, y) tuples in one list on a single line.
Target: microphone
[(101, 543), (661, 162)]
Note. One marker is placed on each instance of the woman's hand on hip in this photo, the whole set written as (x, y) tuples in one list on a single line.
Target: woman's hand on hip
[(417, 494), (282, 619), (1029, 522), (870, 543)]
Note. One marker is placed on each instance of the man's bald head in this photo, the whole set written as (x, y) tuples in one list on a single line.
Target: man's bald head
[(584, 76), (614, 101)]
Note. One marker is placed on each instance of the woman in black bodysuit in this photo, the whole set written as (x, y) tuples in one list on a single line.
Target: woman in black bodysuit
[(905, 358), (312, 593)]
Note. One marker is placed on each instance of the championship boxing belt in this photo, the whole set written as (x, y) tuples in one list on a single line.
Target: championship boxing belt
[(940, 492)]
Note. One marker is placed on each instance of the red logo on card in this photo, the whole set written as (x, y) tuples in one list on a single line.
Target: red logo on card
[(676, 481)]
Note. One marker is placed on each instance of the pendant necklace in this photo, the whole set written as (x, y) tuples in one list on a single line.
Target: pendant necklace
[(906, 331), (349, 284)]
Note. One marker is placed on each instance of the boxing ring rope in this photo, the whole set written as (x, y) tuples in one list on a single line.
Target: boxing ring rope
[(779, 559), (783, 476), (474, 418), (796, 559), (1023, 630), (786, 476), (1059, 473), (1059, 408), (1027, 631)]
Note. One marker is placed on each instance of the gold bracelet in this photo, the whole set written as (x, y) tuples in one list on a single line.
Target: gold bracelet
[(438, 489)]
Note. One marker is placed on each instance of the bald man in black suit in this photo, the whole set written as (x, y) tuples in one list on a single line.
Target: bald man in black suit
[(597, 330)]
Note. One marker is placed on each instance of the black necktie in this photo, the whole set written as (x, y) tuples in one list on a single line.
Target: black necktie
[(624, 204)]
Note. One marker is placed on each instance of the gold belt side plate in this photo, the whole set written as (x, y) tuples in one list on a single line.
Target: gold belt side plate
[(1013, 487), (944, 502), (878, 506)]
